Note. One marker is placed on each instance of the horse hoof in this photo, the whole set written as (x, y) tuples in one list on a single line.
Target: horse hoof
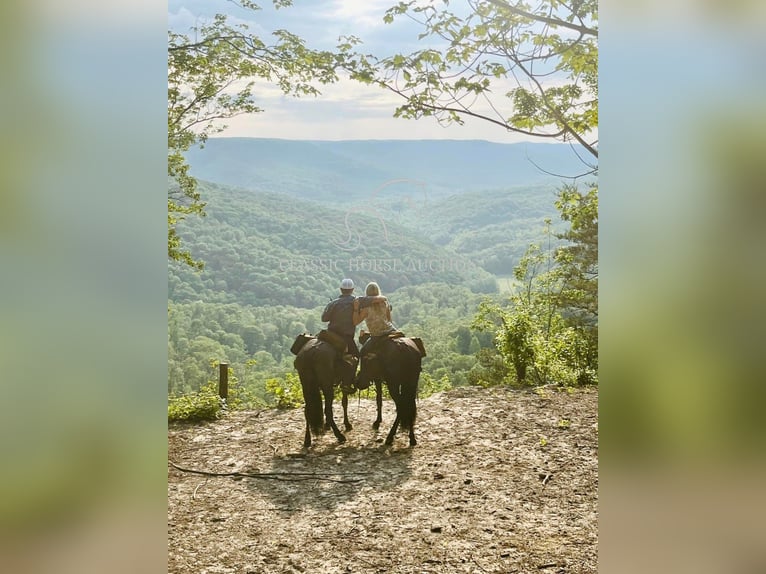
[(413, 442), (376, 425), (389, 441), (341, 439), (349, 427)]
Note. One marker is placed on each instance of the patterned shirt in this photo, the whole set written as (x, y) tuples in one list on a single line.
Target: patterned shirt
[(377, 320)]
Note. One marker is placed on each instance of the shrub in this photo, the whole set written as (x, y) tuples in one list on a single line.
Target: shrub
[(287, 391), (203, 405), (428, 385)]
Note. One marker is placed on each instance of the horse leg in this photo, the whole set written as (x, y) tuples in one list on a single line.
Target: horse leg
[(379, 404), (312, 408), (344, 402), (394, 391), (329, 416), (392, 432), (409, 408)]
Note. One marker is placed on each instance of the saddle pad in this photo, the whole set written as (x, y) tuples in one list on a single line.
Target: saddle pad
[(410, 343)]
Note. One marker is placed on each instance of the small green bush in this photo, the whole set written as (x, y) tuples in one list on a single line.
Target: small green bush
[(428, 385), (287, 391), (204, 405)]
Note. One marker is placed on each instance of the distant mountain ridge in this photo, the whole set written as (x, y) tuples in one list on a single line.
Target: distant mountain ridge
[(329, 171)]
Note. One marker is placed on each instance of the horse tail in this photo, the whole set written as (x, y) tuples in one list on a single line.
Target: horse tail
[(407, 410), (312, 396)]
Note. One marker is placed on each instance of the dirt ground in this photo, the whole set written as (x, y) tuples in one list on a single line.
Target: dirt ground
[(501, 481)]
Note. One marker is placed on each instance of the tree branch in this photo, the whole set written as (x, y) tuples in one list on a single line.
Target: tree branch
[(475, 115), (567, 128), (552, 21)]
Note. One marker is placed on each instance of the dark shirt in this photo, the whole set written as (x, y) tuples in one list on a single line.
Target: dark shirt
[(340, 314)]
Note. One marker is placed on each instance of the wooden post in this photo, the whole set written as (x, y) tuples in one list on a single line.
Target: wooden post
[(223, 381)]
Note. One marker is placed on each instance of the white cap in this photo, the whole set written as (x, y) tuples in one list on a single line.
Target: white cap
[(347, 284)]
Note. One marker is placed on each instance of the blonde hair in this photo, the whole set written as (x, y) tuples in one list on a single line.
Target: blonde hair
[(372, 289)]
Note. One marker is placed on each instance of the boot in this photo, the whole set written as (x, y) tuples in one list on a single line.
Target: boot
[(349, 372)]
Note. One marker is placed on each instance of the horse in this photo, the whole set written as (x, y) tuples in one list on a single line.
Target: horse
[(319, 369), (397, 362)]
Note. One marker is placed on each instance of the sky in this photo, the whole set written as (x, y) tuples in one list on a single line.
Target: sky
[(345, 110)]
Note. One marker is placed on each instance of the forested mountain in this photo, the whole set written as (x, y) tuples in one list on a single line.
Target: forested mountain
[(349, 170), (265, 249), (491, 228), (434, 223)]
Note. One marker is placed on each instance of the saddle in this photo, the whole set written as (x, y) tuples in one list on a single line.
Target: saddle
[(334, 339), (327, 336), (399, 337), (364, 335), (414, 343)]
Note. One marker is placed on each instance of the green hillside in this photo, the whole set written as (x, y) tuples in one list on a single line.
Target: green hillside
[(255, 340), (264, 249), (492, 228)]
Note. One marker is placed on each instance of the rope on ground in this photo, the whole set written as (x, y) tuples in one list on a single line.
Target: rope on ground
[(284, 476)]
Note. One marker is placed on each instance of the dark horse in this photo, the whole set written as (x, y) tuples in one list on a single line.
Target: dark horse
[(397, 362), (319, 370)]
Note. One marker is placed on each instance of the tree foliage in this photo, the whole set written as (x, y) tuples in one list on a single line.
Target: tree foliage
[(212, 72), (255, 341), (548, 332), (532, 70), (578, 259)]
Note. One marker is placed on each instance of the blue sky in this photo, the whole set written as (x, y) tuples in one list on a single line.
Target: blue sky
[(346, 110)]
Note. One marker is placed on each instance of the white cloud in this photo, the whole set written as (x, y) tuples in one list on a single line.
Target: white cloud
[(367, 14), (182, 21), (351, 111)]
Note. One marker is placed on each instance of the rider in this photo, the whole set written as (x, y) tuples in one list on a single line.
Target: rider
[(339, 313), (377, 317)]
